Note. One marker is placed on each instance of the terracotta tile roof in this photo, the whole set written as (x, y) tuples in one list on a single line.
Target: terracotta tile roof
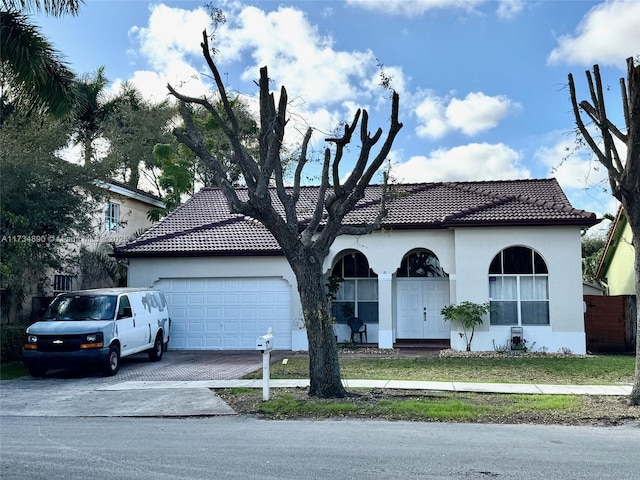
[(204, 225)]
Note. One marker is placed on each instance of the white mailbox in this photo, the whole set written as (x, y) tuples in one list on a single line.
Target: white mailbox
[(264, 343)]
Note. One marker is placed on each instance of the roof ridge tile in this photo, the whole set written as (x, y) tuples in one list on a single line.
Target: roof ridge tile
[(181, 233), (477, 208)]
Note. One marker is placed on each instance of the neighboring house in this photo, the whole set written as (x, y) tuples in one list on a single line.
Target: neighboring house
[(120, 215), (616, 268), (611, 320), (515, 244), (123, 213)]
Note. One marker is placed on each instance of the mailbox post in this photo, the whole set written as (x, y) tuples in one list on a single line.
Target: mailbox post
[(264, 343)]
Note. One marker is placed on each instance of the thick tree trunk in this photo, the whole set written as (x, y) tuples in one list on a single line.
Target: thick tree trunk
[(324, 367), (134, 173), (632, 210), (88, 152)]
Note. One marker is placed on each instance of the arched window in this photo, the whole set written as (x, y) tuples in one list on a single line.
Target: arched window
[(519, 288), (420, 263), (358, 292)]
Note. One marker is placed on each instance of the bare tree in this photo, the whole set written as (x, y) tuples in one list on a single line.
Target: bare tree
[(305, 242), (624, 174)]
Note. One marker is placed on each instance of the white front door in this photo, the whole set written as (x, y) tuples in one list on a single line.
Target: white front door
[(419, 303)]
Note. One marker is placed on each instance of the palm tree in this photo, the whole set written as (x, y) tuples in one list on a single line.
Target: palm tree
[(32, 75), (90, 110)]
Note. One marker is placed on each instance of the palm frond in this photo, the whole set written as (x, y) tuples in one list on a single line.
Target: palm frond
[(50, 7), (37, 78)]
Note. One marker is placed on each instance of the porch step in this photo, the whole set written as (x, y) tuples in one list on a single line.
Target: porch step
[(432, 344)]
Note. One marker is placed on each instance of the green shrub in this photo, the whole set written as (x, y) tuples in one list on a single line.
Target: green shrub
[(11, 342), (469, 315)]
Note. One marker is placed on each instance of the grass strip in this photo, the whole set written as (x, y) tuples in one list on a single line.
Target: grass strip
[(596, 370), (412, 406)]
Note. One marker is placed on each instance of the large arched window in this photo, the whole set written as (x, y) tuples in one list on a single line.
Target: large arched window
[(357, 295), (519, 288), (420, 263)]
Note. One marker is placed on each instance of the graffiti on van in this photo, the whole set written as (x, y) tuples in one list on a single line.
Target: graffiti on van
[(153, 301)]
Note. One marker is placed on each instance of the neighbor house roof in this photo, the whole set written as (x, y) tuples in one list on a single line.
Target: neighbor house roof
[(113, 186), (614, 235), (204, 226)]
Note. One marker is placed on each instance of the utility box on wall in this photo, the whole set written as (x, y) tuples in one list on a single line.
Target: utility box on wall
[(517, 338)]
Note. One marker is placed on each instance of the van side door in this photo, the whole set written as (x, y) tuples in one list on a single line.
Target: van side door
[(126, 326), (145, 320)]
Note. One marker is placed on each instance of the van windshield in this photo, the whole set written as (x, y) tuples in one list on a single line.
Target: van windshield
[(81, 307)]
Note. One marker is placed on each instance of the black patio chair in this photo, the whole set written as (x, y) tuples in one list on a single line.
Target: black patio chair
[(358, 327)]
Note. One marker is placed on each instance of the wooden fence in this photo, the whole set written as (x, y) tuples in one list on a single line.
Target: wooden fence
[(610, 323)]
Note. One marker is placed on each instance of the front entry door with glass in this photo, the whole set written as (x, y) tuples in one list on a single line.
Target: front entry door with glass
[(419, 303)]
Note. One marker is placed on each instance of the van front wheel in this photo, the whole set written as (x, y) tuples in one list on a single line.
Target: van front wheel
[(111, 365), (37, 372), (155, 354)]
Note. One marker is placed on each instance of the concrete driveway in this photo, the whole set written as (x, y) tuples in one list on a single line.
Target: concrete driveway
[(64, 393)]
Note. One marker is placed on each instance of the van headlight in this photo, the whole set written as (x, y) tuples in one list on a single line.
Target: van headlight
[(92, 340), (32, 342)]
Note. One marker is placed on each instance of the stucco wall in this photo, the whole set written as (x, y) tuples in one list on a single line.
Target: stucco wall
[(560, 248), (133, 217), (465, 254)]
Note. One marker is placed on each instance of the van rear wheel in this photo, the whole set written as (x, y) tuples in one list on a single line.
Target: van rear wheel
[(155, 354), (111, 365)]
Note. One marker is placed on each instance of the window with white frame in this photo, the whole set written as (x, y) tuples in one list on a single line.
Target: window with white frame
[(519, 288), (111, 217), (357, 295)]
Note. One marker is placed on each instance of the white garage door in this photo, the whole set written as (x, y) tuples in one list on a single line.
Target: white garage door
[(227, 313)]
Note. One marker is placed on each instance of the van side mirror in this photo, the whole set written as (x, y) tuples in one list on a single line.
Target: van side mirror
[(126, 313)]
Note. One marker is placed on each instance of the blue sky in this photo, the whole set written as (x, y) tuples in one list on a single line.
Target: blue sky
[(482, 83)]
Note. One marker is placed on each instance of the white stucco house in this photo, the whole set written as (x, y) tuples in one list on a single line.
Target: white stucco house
[(515, 244)]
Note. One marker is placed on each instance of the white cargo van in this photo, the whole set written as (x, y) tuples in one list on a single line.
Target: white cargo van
[(98, 327)]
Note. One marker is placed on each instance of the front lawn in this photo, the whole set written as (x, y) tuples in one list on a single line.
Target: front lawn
[(452, 406), (591, 370)]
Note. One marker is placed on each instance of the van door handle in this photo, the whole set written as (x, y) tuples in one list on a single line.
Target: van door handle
[(424, 313)]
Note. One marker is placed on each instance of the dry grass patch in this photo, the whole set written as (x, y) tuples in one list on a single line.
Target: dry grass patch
[(428, 406)]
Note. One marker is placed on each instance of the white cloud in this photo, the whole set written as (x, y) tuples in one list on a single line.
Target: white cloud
[(171, 33), (169, 42), (431, 118), (413, 7), (578, 172), (475, 161), (607, 35), (475, 113), (323, 83), (297, 55), (508, 9), (572, 169)]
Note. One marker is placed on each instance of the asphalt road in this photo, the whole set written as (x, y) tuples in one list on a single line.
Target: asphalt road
[(246, 448)]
